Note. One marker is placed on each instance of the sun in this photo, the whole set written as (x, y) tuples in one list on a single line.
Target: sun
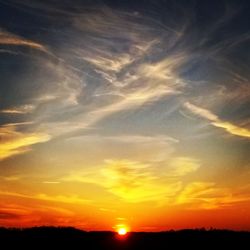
[(122, 231)]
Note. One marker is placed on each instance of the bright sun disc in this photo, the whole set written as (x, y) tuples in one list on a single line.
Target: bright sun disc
[(122, 231)]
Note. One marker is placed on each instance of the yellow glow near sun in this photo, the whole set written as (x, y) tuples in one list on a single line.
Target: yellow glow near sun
[(122, 231)]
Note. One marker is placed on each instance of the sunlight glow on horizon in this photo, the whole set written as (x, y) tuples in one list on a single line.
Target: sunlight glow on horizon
[(122, 231)]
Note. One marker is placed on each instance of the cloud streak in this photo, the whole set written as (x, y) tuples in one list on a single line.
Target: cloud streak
[(217, 122), (206, 195), (7, 38), (74, 199), (18, 110), (14, 142)]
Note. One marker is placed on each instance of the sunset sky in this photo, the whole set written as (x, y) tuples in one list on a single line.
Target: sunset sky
[(133, 113)]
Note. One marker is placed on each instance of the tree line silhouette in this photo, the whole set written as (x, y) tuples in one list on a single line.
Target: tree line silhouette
[(71, 238)]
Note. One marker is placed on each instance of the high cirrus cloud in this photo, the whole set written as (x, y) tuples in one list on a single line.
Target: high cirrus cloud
[(7, 38), (217, 122), (14, 142)]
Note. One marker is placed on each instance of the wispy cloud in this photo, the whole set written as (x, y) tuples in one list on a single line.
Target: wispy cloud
[(73, 199), (14, 142), (217, 122), (14, 214), (18, 110), (207, 195), (139, 148), (123, 78), (7, 38), (135, 182), (181, 166), (130, 181)]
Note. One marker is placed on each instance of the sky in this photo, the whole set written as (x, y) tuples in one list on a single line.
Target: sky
[(133, 113)]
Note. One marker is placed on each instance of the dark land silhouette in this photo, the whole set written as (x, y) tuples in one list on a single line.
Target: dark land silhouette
[(71, 238)]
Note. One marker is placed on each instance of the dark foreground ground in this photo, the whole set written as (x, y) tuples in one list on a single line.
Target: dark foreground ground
[(70, 238)]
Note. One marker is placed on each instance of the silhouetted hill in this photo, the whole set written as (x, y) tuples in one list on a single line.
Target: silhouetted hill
[(71, 238)]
